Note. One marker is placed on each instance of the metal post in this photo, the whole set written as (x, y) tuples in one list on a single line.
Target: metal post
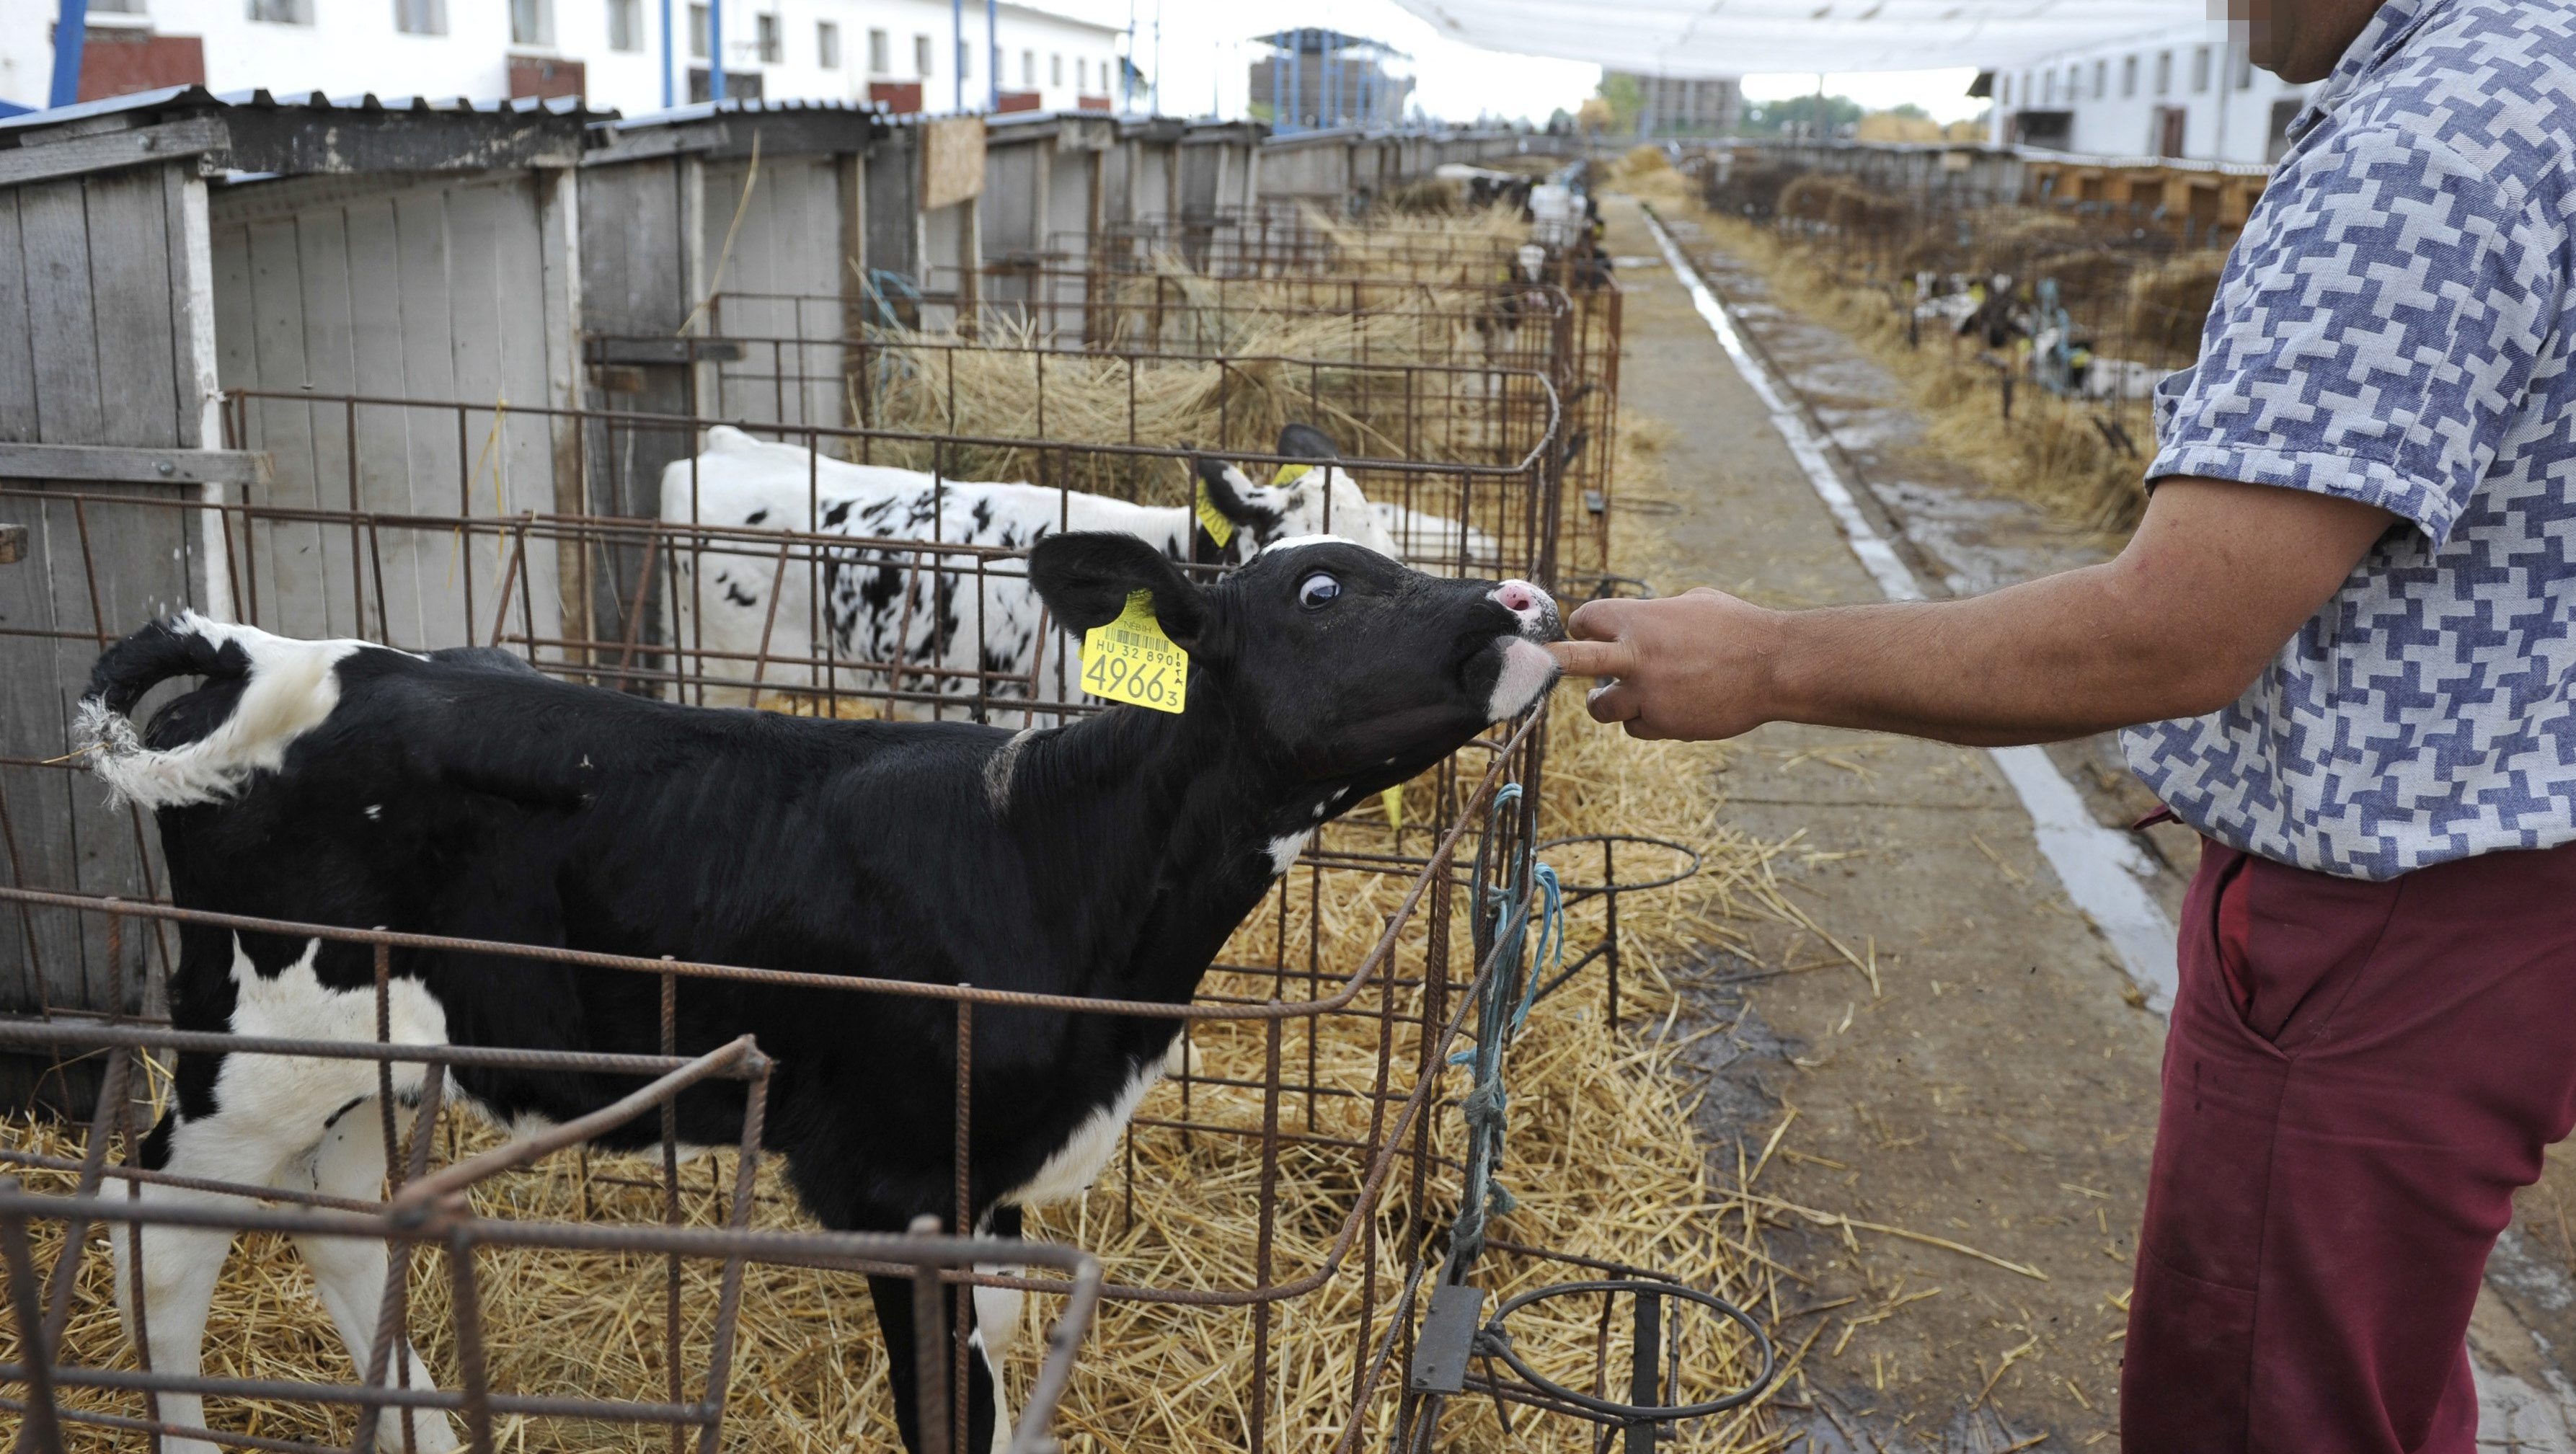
[(666, 55), (957, 51), (992, 70), (71, 37), (715, 50), (1278, 73), (1158, 57)]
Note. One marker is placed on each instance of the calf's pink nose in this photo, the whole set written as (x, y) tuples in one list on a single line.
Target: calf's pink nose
[(1517, 596)]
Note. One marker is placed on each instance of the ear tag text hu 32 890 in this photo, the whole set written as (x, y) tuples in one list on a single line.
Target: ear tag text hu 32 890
[(1130, 660)]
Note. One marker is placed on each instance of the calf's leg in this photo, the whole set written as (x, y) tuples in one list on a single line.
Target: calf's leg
[(986, 1431), (175, 1268), (349, 1272)]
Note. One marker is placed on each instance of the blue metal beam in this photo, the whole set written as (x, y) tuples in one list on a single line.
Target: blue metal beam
[(715, 50), (71, 37)]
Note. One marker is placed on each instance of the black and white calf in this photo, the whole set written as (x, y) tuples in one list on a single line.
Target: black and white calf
[(464, 794), (925, 608)]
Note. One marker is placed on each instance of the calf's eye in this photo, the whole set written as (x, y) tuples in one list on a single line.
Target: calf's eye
[(1318, 590)]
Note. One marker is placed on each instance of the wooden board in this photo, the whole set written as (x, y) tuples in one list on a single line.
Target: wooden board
[(433, 293), (96, 376), (952, 161)]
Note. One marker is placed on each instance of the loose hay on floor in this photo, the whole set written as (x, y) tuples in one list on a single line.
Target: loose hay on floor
[(1603, 1159)]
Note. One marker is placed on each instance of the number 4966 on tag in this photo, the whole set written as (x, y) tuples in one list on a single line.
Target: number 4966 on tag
[(1130, 660)]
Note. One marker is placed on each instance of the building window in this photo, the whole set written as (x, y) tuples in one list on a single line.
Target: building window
[(282, 12), (2050, 94), (2129, 76), (921, 56), (2200, 71), (827, 45), (532, 22), (965, 61), (880, 54), (765, 29), (1082, 73), (698, 28), (1028, 69), (2005, 94), (625, 24), (2074, 84), (1055, 69), (2244, 69), (418, 17), (2101, 79), (118, 7), (2164, 73)]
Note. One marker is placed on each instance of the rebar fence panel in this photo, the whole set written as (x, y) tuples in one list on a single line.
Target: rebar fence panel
[(414, 1252)]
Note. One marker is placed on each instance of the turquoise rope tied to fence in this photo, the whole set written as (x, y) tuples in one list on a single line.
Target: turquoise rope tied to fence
[(1510, 991)]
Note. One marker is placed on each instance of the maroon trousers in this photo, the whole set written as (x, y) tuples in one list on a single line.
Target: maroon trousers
[(2358, 1076)]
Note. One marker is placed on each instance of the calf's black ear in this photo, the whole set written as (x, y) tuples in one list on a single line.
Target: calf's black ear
[(1218, 478), (1305, 441), (1085, 579)]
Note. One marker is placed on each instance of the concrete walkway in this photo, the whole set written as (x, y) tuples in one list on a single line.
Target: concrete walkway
[(1996, 1086)]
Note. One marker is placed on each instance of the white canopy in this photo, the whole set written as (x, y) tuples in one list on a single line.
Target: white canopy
[(1741, 37)]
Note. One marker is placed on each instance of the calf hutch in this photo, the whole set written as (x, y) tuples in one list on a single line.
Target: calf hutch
[(178, 246), (461, 453)]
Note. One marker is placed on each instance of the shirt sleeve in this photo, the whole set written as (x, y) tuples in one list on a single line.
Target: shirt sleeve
[(2375, 332)]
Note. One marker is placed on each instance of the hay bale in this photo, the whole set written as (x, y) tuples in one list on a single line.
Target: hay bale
[(2168, 306), (2020, 240), (1748, 188)]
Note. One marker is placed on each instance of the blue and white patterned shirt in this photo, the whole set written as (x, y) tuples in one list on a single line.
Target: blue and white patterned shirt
[(2395, 328)]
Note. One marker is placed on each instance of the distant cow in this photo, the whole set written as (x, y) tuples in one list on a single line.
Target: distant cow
[(883, 604), (463, 794)]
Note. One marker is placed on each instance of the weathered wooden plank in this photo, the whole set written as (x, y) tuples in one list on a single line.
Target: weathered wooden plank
[(323, 309), (435, 457), (376, 341), (130, 270), (197, 137), (17, 334), (62, 311), (286, 556), (132, 464), (40, 954)]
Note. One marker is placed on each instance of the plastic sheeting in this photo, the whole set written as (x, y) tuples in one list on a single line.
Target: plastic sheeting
[(1741, 37)]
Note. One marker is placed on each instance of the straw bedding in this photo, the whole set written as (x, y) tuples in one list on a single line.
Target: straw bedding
[(1604, 1159)]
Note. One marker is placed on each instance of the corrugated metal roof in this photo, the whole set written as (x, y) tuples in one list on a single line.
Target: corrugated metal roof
[(738, 106), (198, 98)]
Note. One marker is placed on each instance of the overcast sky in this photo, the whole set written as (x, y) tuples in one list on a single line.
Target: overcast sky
[(1206, 51)]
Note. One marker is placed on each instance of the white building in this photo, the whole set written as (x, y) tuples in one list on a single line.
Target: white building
[(903, 52), (2185, 93)]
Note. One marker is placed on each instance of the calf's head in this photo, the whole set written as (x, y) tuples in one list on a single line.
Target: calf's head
[(1335, 663), (1312, 495)]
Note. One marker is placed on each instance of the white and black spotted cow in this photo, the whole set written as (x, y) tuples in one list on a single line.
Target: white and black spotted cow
[(930, 609), (464, 794)]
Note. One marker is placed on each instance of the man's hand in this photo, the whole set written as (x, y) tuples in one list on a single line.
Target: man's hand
[(2216, 579), (1694, 666)]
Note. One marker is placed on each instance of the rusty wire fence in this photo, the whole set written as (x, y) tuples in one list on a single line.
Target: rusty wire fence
[(430, 1231), (1315, 1095), (777, 355)]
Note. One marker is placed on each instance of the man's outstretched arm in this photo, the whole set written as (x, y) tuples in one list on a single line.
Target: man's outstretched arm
[(2218, 576)]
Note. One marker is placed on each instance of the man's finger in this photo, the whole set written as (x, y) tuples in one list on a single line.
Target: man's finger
[(1599, 620), (1594, 658), (1616, 702)]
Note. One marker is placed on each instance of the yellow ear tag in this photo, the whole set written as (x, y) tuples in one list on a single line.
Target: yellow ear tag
[(1212, 519), (1130, 660), (1290, 474), (1393, 798)]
